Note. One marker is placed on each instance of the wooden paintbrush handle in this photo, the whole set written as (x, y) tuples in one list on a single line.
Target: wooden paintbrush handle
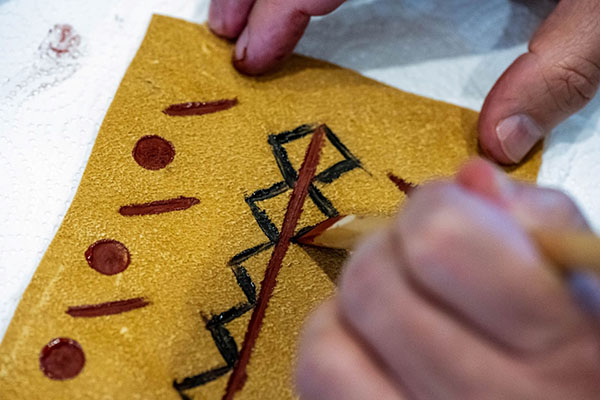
[(569, 250), (344, 232)]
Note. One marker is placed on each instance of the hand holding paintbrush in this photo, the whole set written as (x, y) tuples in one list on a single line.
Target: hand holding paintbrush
[(567, 250), (455, 299)]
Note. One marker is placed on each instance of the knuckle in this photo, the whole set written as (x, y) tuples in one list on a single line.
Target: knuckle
[(427, 204), (316, 324), (317, 368), (359, 283), (574, 82), (440, 222), (364, 282), (430, 197), (432, 238), (312, 374)]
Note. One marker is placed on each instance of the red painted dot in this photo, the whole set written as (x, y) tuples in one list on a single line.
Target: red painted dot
[(62, 358), (153, 152), (108, 256)]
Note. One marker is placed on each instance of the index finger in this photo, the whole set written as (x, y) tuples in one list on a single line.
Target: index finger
[(474, 257), (539, 208), (227, 18), (274, 28)]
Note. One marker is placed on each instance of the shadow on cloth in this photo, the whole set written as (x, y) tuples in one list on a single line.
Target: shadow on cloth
[(369, 34)]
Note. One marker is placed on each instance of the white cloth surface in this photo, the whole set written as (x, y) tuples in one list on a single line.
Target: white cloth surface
[(51, 107)]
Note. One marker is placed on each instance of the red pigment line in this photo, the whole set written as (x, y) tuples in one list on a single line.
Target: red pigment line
[(237, 379), (401, 184), (109, 308), (309, 237), (159, 206), (199, 108)]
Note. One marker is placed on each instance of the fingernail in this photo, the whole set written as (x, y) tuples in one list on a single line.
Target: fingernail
[(518, 134), (241, 48)]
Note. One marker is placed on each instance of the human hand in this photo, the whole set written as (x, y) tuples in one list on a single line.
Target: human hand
[(557, 76), (454, 301)]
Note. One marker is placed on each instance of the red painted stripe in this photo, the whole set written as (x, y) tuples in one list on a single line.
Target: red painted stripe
[(404, 186), (309, 237), (199, 107), (159, 206), (292, 215), (108, 308)]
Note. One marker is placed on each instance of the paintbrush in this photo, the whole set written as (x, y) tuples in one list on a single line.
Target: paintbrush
[(567, 250)]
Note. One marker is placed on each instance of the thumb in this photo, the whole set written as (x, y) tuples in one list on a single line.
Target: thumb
[(556, 78)]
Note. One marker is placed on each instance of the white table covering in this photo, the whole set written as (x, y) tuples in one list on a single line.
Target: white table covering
[(51, 107)]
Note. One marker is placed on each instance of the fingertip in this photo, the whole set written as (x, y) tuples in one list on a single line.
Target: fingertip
[(227, 19), (251, 63), (490, 144), (216, 19), (248, 58), (508, 125), (477, 175), (485, 179), (269, 38), (507, 140), (247, 63), (488, 118), (272, 31), (240, 52), (475, 171), (518, 134)]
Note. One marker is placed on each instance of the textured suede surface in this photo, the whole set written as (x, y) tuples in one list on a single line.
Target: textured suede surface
[(179, 259)]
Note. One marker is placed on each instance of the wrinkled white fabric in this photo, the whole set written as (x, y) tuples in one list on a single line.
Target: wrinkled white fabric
[(51, 107)]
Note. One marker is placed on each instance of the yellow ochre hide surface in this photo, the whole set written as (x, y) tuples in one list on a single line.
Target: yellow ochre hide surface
[(181, 261)]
